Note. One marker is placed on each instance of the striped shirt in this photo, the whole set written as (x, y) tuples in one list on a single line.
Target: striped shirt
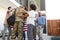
[(25, 28)]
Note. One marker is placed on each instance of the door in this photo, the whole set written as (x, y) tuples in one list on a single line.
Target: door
[(53, 27)]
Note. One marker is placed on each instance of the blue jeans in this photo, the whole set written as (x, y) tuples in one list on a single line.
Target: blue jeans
[(30, 31), (24, 35)]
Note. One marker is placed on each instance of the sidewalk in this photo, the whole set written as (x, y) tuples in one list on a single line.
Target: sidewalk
[(45, 37)]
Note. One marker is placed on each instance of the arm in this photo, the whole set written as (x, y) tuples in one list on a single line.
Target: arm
[(25, 13), (43, 20)]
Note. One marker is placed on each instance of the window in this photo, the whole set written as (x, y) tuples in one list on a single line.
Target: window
[(19, 1)]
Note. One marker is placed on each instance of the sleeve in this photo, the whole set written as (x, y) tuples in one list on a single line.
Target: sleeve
[(6, 16), (36, 15), (25, 13), (43, 20)]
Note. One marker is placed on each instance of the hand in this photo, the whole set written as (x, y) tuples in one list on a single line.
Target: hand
[(11, 28)]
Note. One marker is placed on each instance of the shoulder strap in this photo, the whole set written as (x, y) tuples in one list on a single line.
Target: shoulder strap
[(14, 11)]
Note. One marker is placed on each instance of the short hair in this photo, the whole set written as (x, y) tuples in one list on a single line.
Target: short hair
[(25, 8), (9, 7), (33, 7)]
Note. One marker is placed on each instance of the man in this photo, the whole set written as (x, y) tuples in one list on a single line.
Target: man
[(25, 27), (18, 25), (6, 25), (40, 25)]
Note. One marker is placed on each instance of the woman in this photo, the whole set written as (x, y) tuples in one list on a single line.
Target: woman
[(31, 21), (25, 24)]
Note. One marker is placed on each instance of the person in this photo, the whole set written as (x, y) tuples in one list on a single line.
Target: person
[(18, 25), (25, 28), (30, 22), (40, 25), (6, 25), (34, 28), (44, 15)]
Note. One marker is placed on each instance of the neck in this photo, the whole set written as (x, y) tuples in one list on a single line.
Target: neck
[(39, 16)]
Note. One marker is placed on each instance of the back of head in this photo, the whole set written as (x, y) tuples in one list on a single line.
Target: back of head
[(33, 7)]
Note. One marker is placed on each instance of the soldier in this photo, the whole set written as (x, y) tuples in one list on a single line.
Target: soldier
[(18, 26)]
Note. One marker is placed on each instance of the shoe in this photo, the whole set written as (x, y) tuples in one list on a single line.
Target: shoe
[(1, 36), (34, 39)]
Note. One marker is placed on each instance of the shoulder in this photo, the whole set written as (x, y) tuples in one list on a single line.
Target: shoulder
[(35, 12), (37, 17), (31, 11), (42, 17)]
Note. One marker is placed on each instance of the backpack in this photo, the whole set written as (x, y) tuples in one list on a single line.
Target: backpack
[(11, 19)]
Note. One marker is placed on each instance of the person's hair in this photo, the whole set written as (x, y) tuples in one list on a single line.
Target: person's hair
[(9, 7), (25, 7), (33, 7)]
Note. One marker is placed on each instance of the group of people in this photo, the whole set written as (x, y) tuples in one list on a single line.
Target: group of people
[(31, 21)]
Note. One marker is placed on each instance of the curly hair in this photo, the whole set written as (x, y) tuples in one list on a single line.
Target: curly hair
[(33, 7)]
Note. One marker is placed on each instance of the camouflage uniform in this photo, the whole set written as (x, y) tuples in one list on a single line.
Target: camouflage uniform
[(18, 24)]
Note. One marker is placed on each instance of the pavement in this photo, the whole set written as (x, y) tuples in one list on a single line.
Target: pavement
[(45, 37)]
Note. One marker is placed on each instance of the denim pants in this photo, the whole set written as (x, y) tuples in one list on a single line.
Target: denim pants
[(24, 35), (30, 31)]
